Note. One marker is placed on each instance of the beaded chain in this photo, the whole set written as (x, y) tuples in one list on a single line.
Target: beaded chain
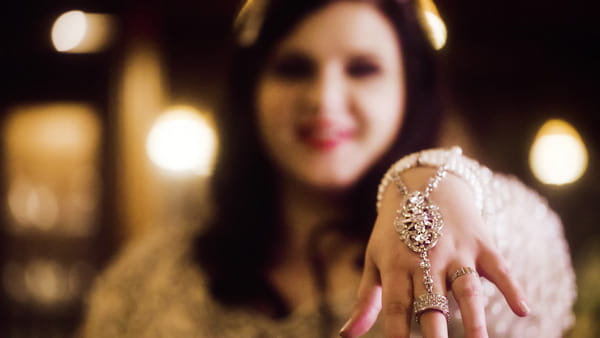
[(419, 222)]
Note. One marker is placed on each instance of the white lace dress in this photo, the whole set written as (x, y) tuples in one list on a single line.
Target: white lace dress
[(155, 289)]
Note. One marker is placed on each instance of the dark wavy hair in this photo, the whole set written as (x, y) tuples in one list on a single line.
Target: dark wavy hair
[(241, 240)]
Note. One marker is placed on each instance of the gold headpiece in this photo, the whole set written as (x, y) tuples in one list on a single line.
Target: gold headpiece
[(432, 23), (249, 21)]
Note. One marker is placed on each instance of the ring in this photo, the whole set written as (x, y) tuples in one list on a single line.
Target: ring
[(431, 301), (461, 272)]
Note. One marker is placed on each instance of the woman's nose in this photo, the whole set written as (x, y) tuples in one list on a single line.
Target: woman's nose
[(327, 92)]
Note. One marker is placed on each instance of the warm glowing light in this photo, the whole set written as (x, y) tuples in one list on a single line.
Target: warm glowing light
[(59, 129), (69, 30), (438, 33), (182, 140), (432, 22), (80, 32), (32, 206), (558, 154), (50, 154), (45, 281)]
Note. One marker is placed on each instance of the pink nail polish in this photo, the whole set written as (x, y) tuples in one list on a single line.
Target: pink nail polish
[(524, 307)]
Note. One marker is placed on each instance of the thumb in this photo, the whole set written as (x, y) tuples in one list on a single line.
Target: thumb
[(367, 306)]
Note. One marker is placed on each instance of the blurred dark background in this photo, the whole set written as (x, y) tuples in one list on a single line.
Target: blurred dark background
[(507, 68)]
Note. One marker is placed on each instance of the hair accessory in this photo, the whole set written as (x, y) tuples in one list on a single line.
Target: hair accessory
[(432, 23), (249, 21)]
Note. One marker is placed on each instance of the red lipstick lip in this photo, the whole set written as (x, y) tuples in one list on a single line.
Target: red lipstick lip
[(324, 138)]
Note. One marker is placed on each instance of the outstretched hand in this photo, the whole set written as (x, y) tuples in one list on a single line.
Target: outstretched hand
[(392, 278)]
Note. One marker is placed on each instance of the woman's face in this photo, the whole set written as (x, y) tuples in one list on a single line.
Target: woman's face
[(331, 99)]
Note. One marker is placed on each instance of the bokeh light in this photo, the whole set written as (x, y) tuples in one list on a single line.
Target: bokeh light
[(182, 140), (79, 32), (558, 155), (433, 24), (50, 156), (31, 205), (438, 33), (69, 30), (44, 281)]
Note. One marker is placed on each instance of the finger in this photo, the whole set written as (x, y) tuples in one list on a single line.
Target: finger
[(397, 304), (367, 306), (493, 267), (433, 323), (467, 290)]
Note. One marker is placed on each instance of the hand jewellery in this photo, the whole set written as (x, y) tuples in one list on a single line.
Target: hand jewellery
[(461, 272), (419, 224)]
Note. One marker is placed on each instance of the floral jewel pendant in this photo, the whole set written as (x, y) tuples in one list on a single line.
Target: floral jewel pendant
[(419, 222)]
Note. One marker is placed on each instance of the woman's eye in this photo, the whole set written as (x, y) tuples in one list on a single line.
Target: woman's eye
[(294, 67), (362, 68)]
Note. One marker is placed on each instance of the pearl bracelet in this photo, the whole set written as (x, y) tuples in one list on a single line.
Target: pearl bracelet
[(474, 174)]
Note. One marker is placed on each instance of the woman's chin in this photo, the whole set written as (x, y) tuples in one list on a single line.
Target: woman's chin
[(334, 182)]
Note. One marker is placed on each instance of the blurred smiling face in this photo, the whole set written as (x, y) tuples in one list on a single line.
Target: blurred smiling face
[(331, 99)]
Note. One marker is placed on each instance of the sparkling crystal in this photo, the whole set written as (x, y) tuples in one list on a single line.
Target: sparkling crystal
[(416, 198), (427, 280), (419, 223), (420, 238)]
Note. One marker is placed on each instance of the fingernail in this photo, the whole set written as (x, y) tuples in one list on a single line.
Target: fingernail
[(344, 328), (524, 307)]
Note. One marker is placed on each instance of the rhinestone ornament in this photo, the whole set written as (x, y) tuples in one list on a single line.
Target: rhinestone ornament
[(419, 222), (430, 301)]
